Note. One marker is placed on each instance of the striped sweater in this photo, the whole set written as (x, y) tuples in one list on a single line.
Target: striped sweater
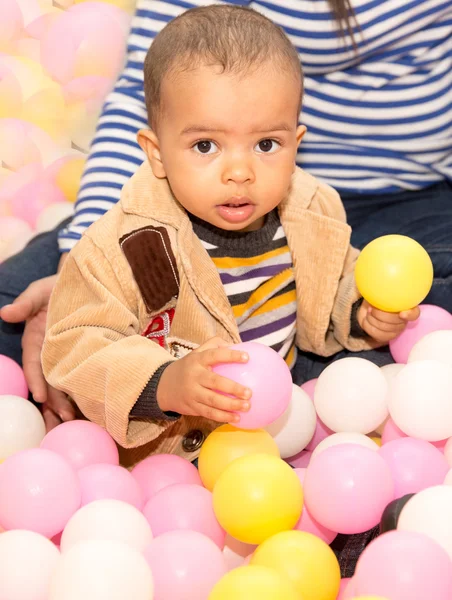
[(256, 271), (379, 120)]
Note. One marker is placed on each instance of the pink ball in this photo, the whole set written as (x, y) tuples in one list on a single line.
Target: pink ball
[(185, 565), (268, 377), (414, 464), (184, 506), (82, 443), (161, 470), (344, 583), (300, 460), (12, 378), (39, 491), (391, 432), (31, 199), (109, 482), (309, 387), (432, 318), (347, 487), (308, 523), (321, 432), (404, 565)]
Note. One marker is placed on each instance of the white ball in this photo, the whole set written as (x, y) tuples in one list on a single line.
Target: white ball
[(345, 437), (448, 478), (102, 570), (27, 563), (235, 552), (420, 402), (294, 429), (448, 451), (390, 372), (434, 346), (21, 425), (53, 215), (351, 395), (111, 520), (430, 512)]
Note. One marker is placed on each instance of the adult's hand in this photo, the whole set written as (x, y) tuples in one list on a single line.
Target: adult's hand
[(31, 307)]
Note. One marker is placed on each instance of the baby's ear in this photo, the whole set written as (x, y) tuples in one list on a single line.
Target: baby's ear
[(150, 145)]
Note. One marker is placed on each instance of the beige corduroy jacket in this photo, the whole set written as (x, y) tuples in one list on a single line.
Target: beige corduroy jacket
[(139, 289)]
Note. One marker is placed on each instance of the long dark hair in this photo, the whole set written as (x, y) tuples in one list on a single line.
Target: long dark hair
[(345, 17)]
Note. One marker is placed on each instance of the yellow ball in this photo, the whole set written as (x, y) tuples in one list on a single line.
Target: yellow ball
[(394, 273), (257, 496), (376, 439), (227, 443), (306, 560), (369, 598), (68, 177), (253, 583)]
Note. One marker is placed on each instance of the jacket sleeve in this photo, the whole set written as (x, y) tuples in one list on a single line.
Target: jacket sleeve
[(93, 349), (340, 334)]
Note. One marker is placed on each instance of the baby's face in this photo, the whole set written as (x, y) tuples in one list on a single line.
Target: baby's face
[(227, 143)]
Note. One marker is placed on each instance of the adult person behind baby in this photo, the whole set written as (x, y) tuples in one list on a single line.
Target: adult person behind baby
[(217, 238), (378, 109)]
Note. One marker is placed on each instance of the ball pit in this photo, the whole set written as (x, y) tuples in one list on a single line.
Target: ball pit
[(58, 61), (261, 526)]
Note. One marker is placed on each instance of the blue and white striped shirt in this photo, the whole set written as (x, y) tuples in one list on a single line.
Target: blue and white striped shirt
[(379, 120)]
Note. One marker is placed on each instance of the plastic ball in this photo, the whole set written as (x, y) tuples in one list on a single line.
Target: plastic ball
[(448, 451), (107, 520), (351, 396), (178, 561), (53, 215), (256, 497), (104, 481), (394, 273), (391, 513), (14, 236), (268, 377), (448, 478), (294, 429), (401, 565), (39, 491), (253, 581), (104, 570), (428, 512), (68, 177), (414, 464), (321, 432), (432, 318), (338, 439), (236, 552), (12, 378), (300, 460), (307, 562), (161, 470), (360, 482), (420, 403), (227, 443), (82, 443), (21, 425), (434, 346), (27, 563), (184, 506), (307, 523)]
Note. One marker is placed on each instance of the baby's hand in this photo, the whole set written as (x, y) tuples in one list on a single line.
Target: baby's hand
[(188, 386), (382, 326)]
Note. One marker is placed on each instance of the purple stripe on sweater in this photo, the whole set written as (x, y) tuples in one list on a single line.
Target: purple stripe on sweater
[(258, 332), (270, 271)]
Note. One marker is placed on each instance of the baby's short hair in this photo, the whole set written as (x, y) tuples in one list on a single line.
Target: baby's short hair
[(235, 38)]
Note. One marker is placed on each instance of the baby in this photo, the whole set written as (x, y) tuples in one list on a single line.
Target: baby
[(218, 239)]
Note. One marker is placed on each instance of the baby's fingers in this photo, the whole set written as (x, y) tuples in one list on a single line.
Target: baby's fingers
[(217, 383), (385, 317), (218, 408), (395, 327), (223, 355), (410, 315)]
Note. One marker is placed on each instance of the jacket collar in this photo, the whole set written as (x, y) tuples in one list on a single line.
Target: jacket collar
[(147, 196)]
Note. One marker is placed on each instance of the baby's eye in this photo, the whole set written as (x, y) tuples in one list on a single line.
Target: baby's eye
[(267, 146), (205, 147)]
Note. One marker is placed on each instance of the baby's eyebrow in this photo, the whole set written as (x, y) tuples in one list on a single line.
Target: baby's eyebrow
[(206, 129)]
